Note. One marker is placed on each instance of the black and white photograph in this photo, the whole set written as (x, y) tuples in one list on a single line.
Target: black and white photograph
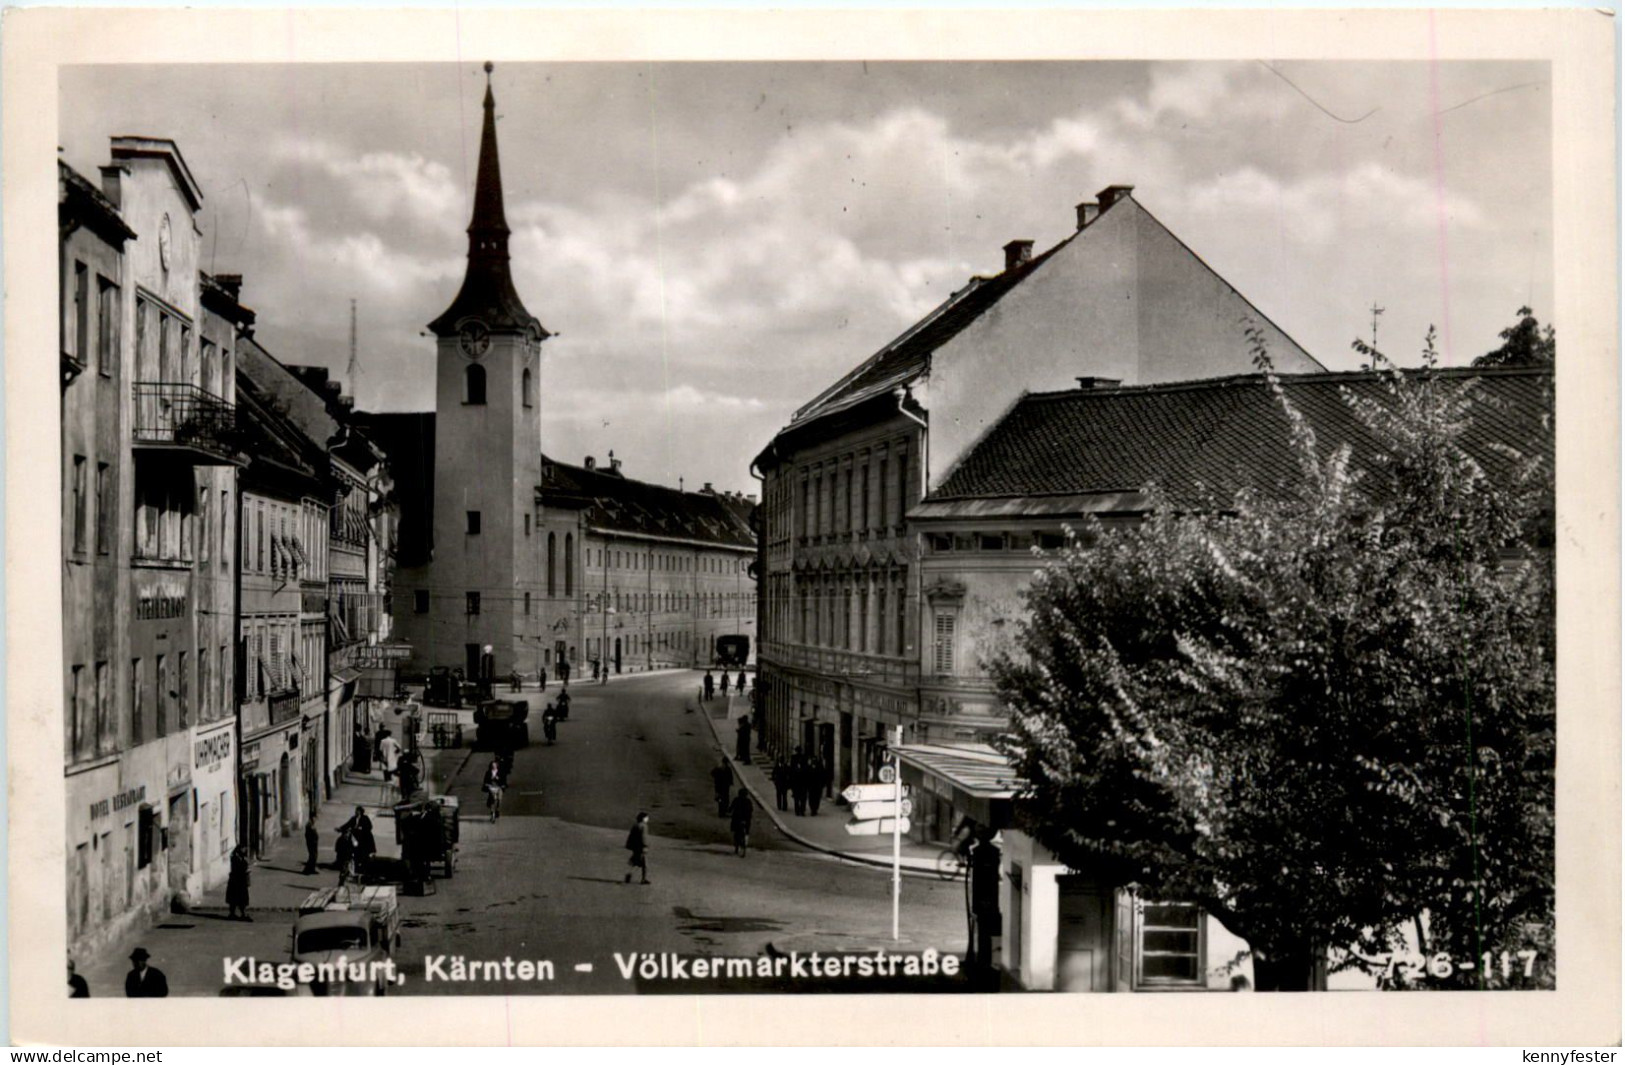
[(919, 524)]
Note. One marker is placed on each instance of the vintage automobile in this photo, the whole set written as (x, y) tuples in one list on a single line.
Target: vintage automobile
[(499, 725), (360, 925)]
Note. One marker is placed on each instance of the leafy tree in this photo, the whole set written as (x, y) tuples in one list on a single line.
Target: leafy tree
[(1325, 714), (1524, 343)]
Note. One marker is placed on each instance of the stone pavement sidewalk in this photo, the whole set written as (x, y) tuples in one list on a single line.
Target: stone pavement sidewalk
[(824, 832), (277, 885)]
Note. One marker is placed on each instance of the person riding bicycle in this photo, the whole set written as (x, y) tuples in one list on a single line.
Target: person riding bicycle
[(550, 725)]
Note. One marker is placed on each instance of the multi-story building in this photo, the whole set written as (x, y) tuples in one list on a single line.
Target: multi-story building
[(638, 576), (149, 606), (483, 558), (1120, 300), (504, 551), (1053, 460)]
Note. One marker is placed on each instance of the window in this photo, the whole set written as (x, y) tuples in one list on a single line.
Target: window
[(474, 385), (881, 517), (185, 344), (160, 704), (225, 527), (943, 650), (552, 551), (76, 712), (863, 619), (79, 503), (206, 534), (863, 512), (81, 312), (137, 724), (569, 564), (990, 541), (420, 601), (143, 340), (471, 603), (205, 690), (106, 326), (527, 524), (146, 832), (166, 369), (525, 391), (1169, 943), (527, 604), (259, 536), (206, 367), (902, 614), (880, 615), (183, 691), (473, 527)]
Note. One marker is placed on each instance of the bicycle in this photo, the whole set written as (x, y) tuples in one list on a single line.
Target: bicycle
[(953, 864), (493, 800)]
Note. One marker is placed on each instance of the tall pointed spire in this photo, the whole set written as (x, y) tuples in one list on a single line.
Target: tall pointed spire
[(487, 293)]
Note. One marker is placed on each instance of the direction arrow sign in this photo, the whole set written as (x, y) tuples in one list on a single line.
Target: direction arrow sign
[(868, 811), (870, 792), (874, 828)]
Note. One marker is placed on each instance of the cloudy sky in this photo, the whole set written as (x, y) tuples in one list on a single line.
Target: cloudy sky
[(715, 243)]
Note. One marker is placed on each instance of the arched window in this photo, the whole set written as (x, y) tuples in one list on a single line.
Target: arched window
[(552, 550), (474, 385), (525, 393), (569, 563)]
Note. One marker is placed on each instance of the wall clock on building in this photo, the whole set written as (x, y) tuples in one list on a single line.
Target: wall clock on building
[(473, 338), (164, 239)]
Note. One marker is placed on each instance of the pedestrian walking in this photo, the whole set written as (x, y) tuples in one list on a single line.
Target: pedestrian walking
[(360, 828), (564, 673), (389, 751), (781, 782), (361, 749), (377, 741), (637, 841), (312, 842), (494, 781), (722, 782), (742, 740), (77, 988), (740, 686), (798, 781), (344, 854), (237, 885), (517, 681), (725, 684), (815, 784), (739, 815), (143, 980), (709, 685)]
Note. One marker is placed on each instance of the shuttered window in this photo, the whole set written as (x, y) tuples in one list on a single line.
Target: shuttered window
[(944, 648)]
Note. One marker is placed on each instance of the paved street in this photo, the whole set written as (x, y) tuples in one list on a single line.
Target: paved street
[(546, 881)]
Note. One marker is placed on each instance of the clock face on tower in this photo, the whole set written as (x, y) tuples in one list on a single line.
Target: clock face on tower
[(473, 338)]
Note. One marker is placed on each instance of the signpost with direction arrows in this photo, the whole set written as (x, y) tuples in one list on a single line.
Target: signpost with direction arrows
[(879, 809)]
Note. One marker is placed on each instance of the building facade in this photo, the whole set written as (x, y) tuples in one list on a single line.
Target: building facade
[(638, 576), (1054, 460), (845, 652), (149, 458)]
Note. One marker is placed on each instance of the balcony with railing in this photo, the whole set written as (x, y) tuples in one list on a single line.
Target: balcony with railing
[(840, 664), (183, 418)]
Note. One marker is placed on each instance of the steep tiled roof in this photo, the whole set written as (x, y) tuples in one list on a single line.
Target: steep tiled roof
[(1222, 435), (619, 504), (906, 357)]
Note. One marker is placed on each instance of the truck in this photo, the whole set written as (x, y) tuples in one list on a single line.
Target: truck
[(499, 725), (345, 932)]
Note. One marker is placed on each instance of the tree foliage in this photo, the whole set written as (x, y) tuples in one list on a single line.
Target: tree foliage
[(1327, 715), (1524, 343)]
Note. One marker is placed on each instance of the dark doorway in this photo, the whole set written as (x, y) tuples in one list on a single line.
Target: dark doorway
[(617, 654), (471, 661)]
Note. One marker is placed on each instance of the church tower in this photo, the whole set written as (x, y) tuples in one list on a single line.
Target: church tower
[(487, 458)]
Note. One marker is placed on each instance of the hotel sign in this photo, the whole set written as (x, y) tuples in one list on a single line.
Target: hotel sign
[(160, 598), (123, 800)]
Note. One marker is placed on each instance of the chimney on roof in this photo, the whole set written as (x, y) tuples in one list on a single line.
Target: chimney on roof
[(232, 283), (707, 490), (112, 187), (1017, 253), (332, 388), (614, 463), (589, 463), (1098, 384), (1111, 194), (1087, 212)]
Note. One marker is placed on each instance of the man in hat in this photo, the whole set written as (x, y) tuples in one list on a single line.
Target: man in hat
[(144, 981)]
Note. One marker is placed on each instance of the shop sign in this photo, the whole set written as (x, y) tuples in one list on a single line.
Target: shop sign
[(380, 656), (251, 755), (209, 751), (158, 598), (122, 800)]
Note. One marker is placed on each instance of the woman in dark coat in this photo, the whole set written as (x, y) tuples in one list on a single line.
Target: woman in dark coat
[(237, 884)]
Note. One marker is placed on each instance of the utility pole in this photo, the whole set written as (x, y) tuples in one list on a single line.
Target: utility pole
[(1376, 312)]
